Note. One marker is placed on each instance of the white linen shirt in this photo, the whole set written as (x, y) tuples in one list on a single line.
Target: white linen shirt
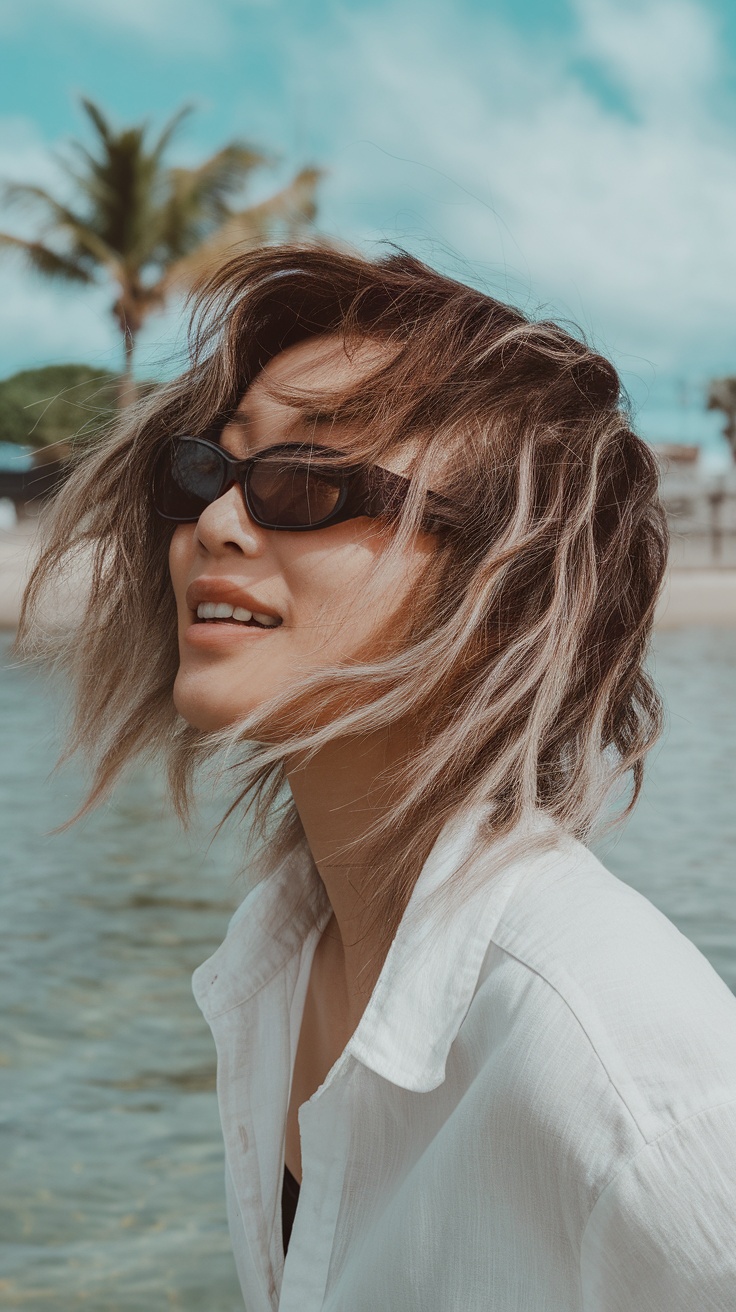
[(536, 1112)]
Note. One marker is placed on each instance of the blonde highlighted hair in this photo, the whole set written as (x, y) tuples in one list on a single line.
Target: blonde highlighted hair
[(523, 658)]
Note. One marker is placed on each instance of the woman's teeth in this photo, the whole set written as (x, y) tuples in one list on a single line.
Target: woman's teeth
[(221, 610)]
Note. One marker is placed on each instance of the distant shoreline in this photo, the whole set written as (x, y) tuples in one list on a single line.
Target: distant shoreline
[(695, 595), (698, 596)]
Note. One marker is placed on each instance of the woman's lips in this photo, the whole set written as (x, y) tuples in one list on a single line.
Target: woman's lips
[(223, 633), (214, 589)]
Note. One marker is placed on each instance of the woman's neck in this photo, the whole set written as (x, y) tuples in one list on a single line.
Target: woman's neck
[(339, 799)]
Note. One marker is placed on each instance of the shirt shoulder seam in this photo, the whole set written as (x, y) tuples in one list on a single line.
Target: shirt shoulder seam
[(545, 980), (652, 1143)]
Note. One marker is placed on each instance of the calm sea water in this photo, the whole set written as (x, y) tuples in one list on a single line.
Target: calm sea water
[(112, 1179)]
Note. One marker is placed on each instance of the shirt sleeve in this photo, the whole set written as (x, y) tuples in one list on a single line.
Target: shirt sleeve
[(662, 1235)]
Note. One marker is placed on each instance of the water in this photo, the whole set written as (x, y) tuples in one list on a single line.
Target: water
[(678, 848), (112, 1182)]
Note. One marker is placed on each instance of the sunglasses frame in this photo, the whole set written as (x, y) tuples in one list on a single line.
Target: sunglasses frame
[(366, 489)]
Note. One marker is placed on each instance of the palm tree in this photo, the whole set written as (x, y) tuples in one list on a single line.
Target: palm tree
[(147, 227)]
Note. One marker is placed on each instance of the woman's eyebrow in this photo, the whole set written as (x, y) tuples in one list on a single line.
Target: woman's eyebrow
[(240, 419), (302, 427), (306, 422)]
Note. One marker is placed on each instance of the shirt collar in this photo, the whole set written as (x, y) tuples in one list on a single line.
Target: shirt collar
[(269, 928), (432, 968)]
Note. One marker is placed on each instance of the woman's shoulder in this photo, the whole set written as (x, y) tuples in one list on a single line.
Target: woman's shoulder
[(620, 985)]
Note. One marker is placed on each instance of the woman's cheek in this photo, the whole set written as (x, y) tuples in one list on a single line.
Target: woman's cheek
[(181, 553)]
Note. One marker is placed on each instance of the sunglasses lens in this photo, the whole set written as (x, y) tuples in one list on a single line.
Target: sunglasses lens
[(291, 496), (188, 477)]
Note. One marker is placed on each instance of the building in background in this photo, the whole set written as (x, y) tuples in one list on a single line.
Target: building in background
[(699, 493)]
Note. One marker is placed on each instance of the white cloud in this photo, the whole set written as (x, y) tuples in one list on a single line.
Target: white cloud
[(174, 26), (24, 154), (622, 221), (43, 323), (664, 53), (498, 158)]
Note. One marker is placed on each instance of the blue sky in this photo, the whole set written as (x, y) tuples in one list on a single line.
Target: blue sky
[(577, 157)]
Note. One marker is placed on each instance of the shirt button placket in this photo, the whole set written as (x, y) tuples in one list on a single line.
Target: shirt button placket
[(324, 1149)]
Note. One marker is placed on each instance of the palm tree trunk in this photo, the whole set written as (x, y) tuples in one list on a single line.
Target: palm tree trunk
[(128, 321), (127, 390)]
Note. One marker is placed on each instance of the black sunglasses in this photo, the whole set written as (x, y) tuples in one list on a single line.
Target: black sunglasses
[(284, 487)]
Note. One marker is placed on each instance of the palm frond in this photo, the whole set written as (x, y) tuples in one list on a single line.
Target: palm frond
[(84, 170), (170, 129), (99, 121), (122, 188), (57, 215), (198, 198), (221, 174), (290, 210), (88, 242), (81, 235), (46, 261), (25, 193)]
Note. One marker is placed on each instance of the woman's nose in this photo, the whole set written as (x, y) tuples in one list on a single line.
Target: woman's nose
[(225, 526)]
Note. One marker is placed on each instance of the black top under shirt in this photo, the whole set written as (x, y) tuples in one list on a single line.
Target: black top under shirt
[(289, 1200)]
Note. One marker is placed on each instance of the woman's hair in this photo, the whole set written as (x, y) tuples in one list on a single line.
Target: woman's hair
[(522, 659)]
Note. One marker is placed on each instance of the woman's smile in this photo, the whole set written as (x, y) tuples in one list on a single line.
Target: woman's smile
[(209, 611), (222, 611)]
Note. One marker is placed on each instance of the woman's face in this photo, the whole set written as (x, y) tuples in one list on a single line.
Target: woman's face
[(313, 583)]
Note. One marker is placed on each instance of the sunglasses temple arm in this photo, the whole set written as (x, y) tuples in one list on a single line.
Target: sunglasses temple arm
[(388, 492)]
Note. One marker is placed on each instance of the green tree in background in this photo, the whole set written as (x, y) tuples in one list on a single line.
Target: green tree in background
[(150, 228), (45, 408)]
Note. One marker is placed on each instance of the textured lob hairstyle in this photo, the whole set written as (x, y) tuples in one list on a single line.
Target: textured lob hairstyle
[(524, 658)]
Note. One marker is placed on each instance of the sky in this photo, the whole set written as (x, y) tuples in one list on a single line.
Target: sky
[(574, 157)]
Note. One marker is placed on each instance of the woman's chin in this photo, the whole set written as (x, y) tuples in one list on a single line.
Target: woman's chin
[(206, 708)]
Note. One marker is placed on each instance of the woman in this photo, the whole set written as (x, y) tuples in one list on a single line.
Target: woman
[(394, 550)]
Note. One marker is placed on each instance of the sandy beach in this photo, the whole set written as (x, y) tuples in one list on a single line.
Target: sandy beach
[(694, 595), (17, 547), (698, 596)]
